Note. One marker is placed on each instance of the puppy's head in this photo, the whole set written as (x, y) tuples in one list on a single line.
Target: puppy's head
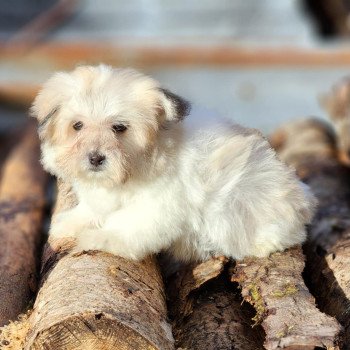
[(101, 124)]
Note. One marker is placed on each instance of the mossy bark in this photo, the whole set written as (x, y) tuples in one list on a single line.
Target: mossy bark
[(283, 304), (328, 247)]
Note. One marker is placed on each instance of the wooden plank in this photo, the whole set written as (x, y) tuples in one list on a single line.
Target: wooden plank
[(66, 55)]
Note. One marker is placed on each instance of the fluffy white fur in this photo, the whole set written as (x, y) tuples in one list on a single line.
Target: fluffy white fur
[(196, 187)]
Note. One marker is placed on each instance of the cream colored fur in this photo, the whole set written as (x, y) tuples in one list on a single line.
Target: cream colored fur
[(195, 187)]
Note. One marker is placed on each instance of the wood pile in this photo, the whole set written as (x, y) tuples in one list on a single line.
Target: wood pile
[(297, 299)]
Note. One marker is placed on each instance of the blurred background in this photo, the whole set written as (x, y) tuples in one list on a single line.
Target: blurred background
[(259, 62)]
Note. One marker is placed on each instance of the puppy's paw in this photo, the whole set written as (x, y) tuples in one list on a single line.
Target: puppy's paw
[(62, 230), (67, 224), (61, 244), (92, 240)]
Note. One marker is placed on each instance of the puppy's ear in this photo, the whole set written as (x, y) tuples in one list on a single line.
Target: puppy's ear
[(47, 104), (174, 107)]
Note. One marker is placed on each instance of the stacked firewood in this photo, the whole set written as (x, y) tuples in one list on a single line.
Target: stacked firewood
[(297, 299)]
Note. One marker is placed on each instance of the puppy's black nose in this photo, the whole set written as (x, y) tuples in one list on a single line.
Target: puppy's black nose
[(96, 159)]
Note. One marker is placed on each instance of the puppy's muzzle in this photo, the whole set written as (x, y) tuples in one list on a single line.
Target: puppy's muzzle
[(96, 159)]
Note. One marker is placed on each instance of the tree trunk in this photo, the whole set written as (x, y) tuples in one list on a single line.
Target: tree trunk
[(94, 300), (328, 248), (207, 312), (22, 200)]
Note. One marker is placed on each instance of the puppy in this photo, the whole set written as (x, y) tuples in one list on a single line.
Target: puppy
[(147, 180)]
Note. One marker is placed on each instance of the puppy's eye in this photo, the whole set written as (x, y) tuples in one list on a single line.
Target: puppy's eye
[(117, 128), (77, 126)]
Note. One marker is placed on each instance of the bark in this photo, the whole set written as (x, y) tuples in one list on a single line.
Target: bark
[(283, 304), (94, 300), (206, 310), (328, 248), (22, 200)]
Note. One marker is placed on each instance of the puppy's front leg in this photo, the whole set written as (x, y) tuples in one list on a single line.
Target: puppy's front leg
[(131, 237), (107, 241), (69, 223)]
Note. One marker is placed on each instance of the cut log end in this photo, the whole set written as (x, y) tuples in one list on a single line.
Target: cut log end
[(95, 300), (91, 331)]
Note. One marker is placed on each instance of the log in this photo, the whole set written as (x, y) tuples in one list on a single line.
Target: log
[(92, 299), (328, 248), (18, 96), (22, 201), (39, 27), (283, 304), (337, 105), (206, 309)]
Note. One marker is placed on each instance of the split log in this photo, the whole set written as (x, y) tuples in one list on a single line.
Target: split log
[(206, 310), (328, 249), (22, 200), (283, 304), (95, 300)]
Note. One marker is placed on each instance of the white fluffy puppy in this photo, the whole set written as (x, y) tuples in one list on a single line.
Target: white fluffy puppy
[(148, 181)]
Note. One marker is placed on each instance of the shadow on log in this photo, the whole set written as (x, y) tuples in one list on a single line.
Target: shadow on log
[(328, 248), (207, 310), (94, 300), (22, 200)]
